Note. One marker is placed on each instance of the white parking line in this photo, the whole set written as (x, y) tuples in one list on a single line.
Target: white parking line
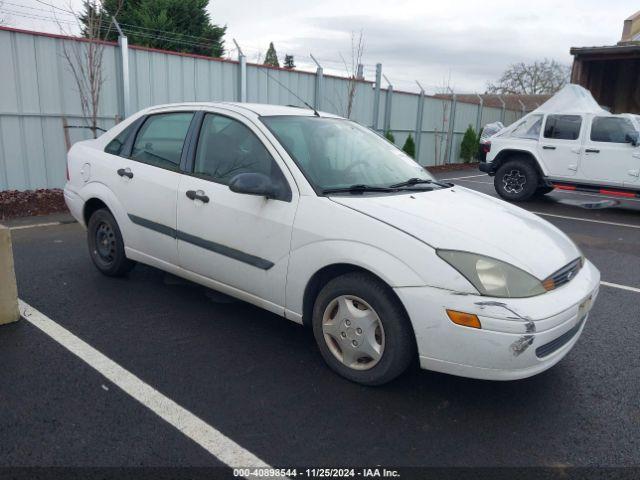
[(468, 176), (621, 287), (35, 225), (616, 224), (213, 441)]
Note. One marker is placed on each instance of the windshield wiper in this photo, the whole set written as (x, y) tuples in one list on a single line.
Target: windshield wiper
[(358, 188), (417, 181)]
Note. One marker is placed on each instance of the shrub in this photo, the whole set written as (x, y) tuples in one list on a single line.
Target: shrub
[(469, 145), (389, 136), (410, 147)]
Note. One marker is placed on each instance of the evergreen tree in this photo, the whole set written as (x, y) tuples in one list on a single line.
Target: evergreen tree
[(288, 62), (410, 147), (469, 145), (176, 25), (389, 136), (271, 58)]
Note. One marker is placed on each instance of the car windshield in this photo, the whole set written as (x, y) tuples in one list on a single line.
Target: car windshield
[(336, 153)]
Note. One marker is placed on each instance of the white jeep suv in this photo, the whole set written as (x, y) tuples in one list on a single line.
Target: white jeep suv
[(591, 151), (325, 223)]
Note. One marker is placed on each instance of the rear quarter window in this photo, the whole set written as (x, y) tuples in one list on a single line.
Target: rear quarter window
[(115, 146)]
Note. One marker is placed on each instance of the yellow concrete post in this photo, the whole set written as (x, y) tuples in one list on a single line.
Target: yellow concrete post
[(9, 311)]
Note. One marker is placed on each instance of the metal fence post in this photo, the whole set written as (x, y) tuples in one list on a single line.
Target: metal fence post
[(317, 103), (242, 74), (504, 105), (376, 96), (479, 114), (123, 45), (360, 72), (418, 132), (523, 107), (387, 106), (452, 125)]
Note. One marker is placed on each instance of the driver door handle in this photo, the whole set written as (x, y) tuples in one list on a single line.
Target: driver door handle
[(125, 172), (592, 150), (548, 147), (197, 195)]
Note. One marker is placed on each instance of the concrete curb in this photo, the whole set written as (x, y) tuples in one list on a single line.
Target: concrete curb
[(9, 311)]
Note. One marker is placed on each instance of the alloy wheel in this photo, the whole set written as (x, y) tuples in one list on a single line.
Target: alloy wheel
[(514, 181)]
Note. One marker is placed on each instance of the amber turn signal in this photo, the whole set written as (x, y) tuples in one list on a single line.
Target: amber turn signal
[(549, 284), (464, 319)]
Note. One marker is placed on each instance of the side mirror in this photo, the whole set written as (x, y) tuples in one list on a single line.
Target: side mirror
[(632, 138), (253, 184)]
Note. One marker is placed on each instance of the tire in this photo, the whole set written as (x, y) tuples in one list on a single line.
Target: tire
[(516, 180), (106, 246), (335, 329)]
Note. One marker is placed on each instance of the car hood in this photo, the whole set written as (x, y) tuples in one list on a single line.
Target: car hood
[(461, 219)]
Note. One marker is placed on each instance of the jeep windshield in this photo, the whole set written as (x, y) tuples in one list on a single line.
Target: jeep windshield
[(340, 156)]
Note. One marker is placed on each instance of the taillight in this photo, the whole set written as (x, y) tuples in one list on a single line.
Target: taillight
[(486, 148)]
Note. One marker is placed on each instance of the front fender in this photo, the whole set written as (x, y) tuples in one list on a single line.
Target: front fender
[(305, 261), (501, 152)]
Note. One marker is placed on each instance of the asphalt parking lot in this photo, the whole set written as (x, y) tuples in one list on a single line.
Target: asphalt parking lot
[(260, 381)]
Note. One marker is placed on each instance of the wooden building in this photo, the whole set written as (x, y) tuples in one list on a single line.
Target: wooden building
[(612, 73)]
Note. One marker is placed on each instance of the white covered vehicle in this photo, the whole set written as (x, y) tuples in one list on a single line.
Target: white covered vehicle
[(568, 143)]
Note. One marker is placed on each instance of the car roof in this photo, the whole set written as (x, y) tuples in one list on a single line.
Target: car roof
[(258, 109)]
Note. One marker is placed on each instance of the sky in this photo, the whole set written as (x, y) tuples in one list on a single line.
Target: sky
[(460, 43)]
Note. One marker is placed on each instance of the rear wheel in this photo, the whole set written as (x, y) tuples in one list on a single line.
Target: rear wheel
[(362, 330), (516, 180), (106, 246)]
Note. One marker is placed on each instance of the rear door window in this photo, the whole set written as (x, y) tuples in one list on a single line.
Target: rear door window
[(563, 127), (611, 129), (161, 139)]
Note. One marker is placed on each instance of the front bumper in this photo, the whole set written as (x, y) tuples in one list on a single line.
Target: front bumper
[(519, 337)]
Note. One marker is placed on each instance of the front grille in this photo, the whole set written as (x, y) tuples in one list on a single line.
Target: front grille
[(565, 274), (557, 343)]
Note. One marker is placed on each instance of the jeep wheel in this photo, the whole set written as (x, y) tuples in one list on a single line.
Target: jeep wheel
[(516, 180)]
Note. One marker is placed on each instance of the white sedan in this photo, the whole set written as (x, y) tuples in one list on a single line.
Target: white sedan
[(325, 223)]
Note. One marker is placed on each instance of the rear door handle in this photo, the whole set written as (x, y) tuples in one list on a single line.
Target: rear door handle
[(199, 195), (125, 172), (592, 150), (548, 147)]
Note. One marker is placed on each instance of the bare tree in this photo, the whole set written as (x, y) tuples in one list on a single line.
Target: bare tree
[(84, 58), (357, 50), (541, 77)]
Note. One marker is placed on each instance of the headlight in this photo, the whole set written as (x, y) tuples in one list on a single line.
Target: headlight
[(492, 277)]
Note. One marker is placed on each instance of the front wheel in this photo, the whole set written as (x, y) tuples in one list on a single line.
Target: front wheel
[(106, 246), (516, 180), (362, 330)]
